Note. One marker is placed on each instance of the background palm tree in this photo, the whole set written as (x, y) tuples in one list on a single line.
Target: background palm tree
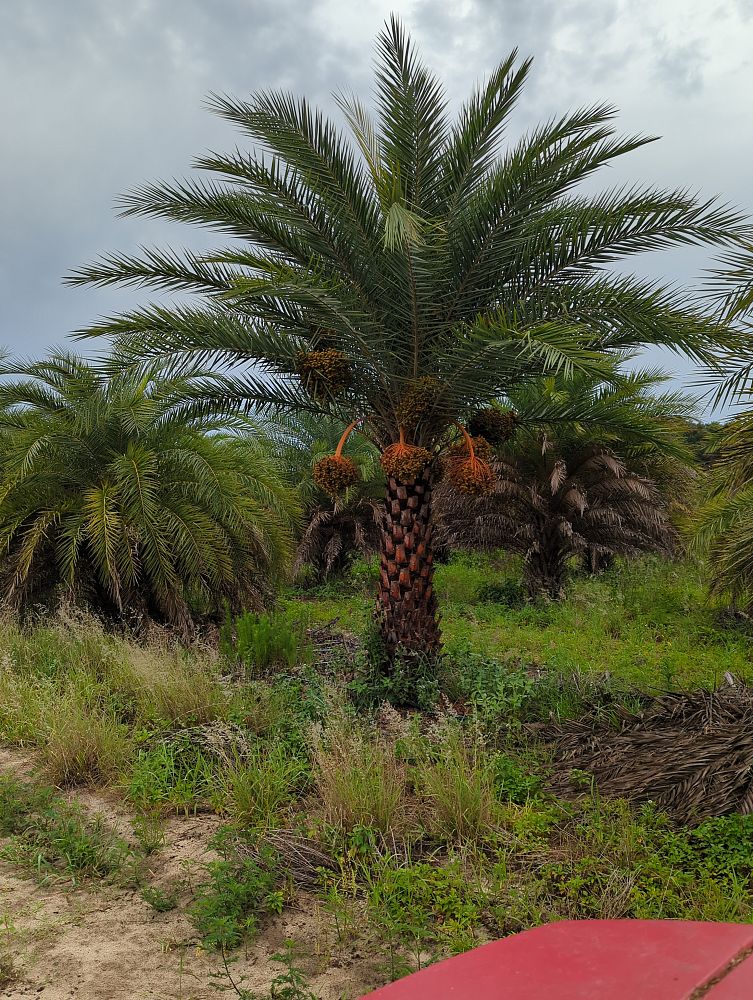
[(575, 481), (334, 529), (117, 489), (722, 528), (405, 275)]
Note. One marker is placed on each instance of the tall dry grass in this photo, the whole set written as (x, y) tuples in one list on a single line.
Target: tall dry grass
[(74, 692), (359, 779)]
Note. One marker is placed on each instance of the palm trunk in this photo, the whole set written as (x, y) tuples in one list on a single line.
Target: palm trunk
[(407, 605), (545, 566)]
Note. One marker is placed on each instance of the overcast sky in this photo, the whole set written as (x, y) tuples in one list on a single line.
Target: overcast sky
[(99, 95)]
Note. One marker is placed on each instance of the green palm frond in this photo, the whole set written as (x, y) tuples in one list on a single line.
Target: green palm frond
[(416, 245), (131, 490)]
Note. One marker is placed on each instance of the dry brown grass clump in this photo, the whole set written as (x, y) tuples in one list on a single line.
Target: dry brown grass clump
[(80, 746), (359, 779), (166, 684)]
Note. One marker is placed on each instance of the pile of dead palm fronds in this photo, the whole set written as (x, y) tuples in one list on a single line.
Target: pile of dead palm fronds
[(691, 754), (302, 858), (331, 644)]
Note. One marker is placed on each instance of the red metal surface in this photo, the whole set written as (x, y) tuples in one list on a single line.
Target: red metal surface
[(737, 984), (591, 960)]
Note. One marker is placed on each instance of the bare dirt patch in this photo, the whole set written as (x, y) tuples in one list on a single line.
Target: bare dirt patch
[(100, 942)]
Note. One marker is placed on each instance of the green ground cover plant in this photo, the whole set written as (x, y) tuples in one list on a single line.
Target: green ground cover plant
[(53, 838), (649, 622), (238, 892)]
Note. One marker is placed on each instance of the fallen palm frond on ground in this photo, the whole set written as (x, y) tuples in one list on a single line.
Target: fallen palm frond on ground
[(689, 753), (301, 857)]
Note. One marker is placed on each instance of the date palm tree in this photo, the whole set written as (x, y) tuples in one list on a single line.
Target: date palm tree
[(589, 474), (401, 273), (119, 490)]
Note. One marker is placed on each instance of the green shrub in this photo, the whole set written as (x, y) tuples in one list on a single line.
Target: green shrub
[(510, 593), (363, 574), (282, 709), (498, 693), (261, 642), (238, 892), (512, 781), (411, 683), (459, 580), (615, 862)]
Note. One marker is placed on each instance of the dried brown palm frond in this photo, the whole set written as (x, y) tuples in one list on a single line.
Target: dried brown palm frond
[(301, 857), (224, 742), (691, 754), (334, 534), (331, 644)]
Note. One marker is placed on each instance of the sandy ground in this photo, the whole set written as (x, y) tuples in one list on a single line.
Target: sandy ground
[(105, 943)]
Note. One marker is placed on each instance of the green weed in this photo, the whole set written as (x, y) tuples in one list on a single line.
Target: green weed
[(149, 830), (421, 909), (238, 892), (258, 791), (50, 836), (261, 642), (290, 984), (160, 900), (171, 774)]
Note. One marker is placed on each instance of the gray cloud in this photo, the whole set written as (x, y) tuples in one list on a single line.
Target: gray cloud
[(100, 95), (680, 68)]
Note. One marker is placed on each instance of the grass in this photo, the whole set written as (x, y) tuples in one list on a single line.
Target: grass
[(648, 623), (259, 790), (360, 781), (51, 837), (173, 776), (437, 824), (459, 790)]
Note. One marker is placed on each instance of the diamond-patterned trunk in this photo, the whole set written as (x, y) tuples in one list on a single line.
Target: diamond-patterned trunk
[(407, 607)]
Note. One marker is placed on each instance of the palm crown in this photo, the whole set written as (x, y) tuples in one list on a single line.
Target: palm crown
[(589, 473), (405, 273), (118, 488)]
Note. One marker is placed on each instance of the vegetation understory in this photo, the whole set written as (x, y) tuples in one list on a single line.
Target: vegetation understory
[(261, 820)]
